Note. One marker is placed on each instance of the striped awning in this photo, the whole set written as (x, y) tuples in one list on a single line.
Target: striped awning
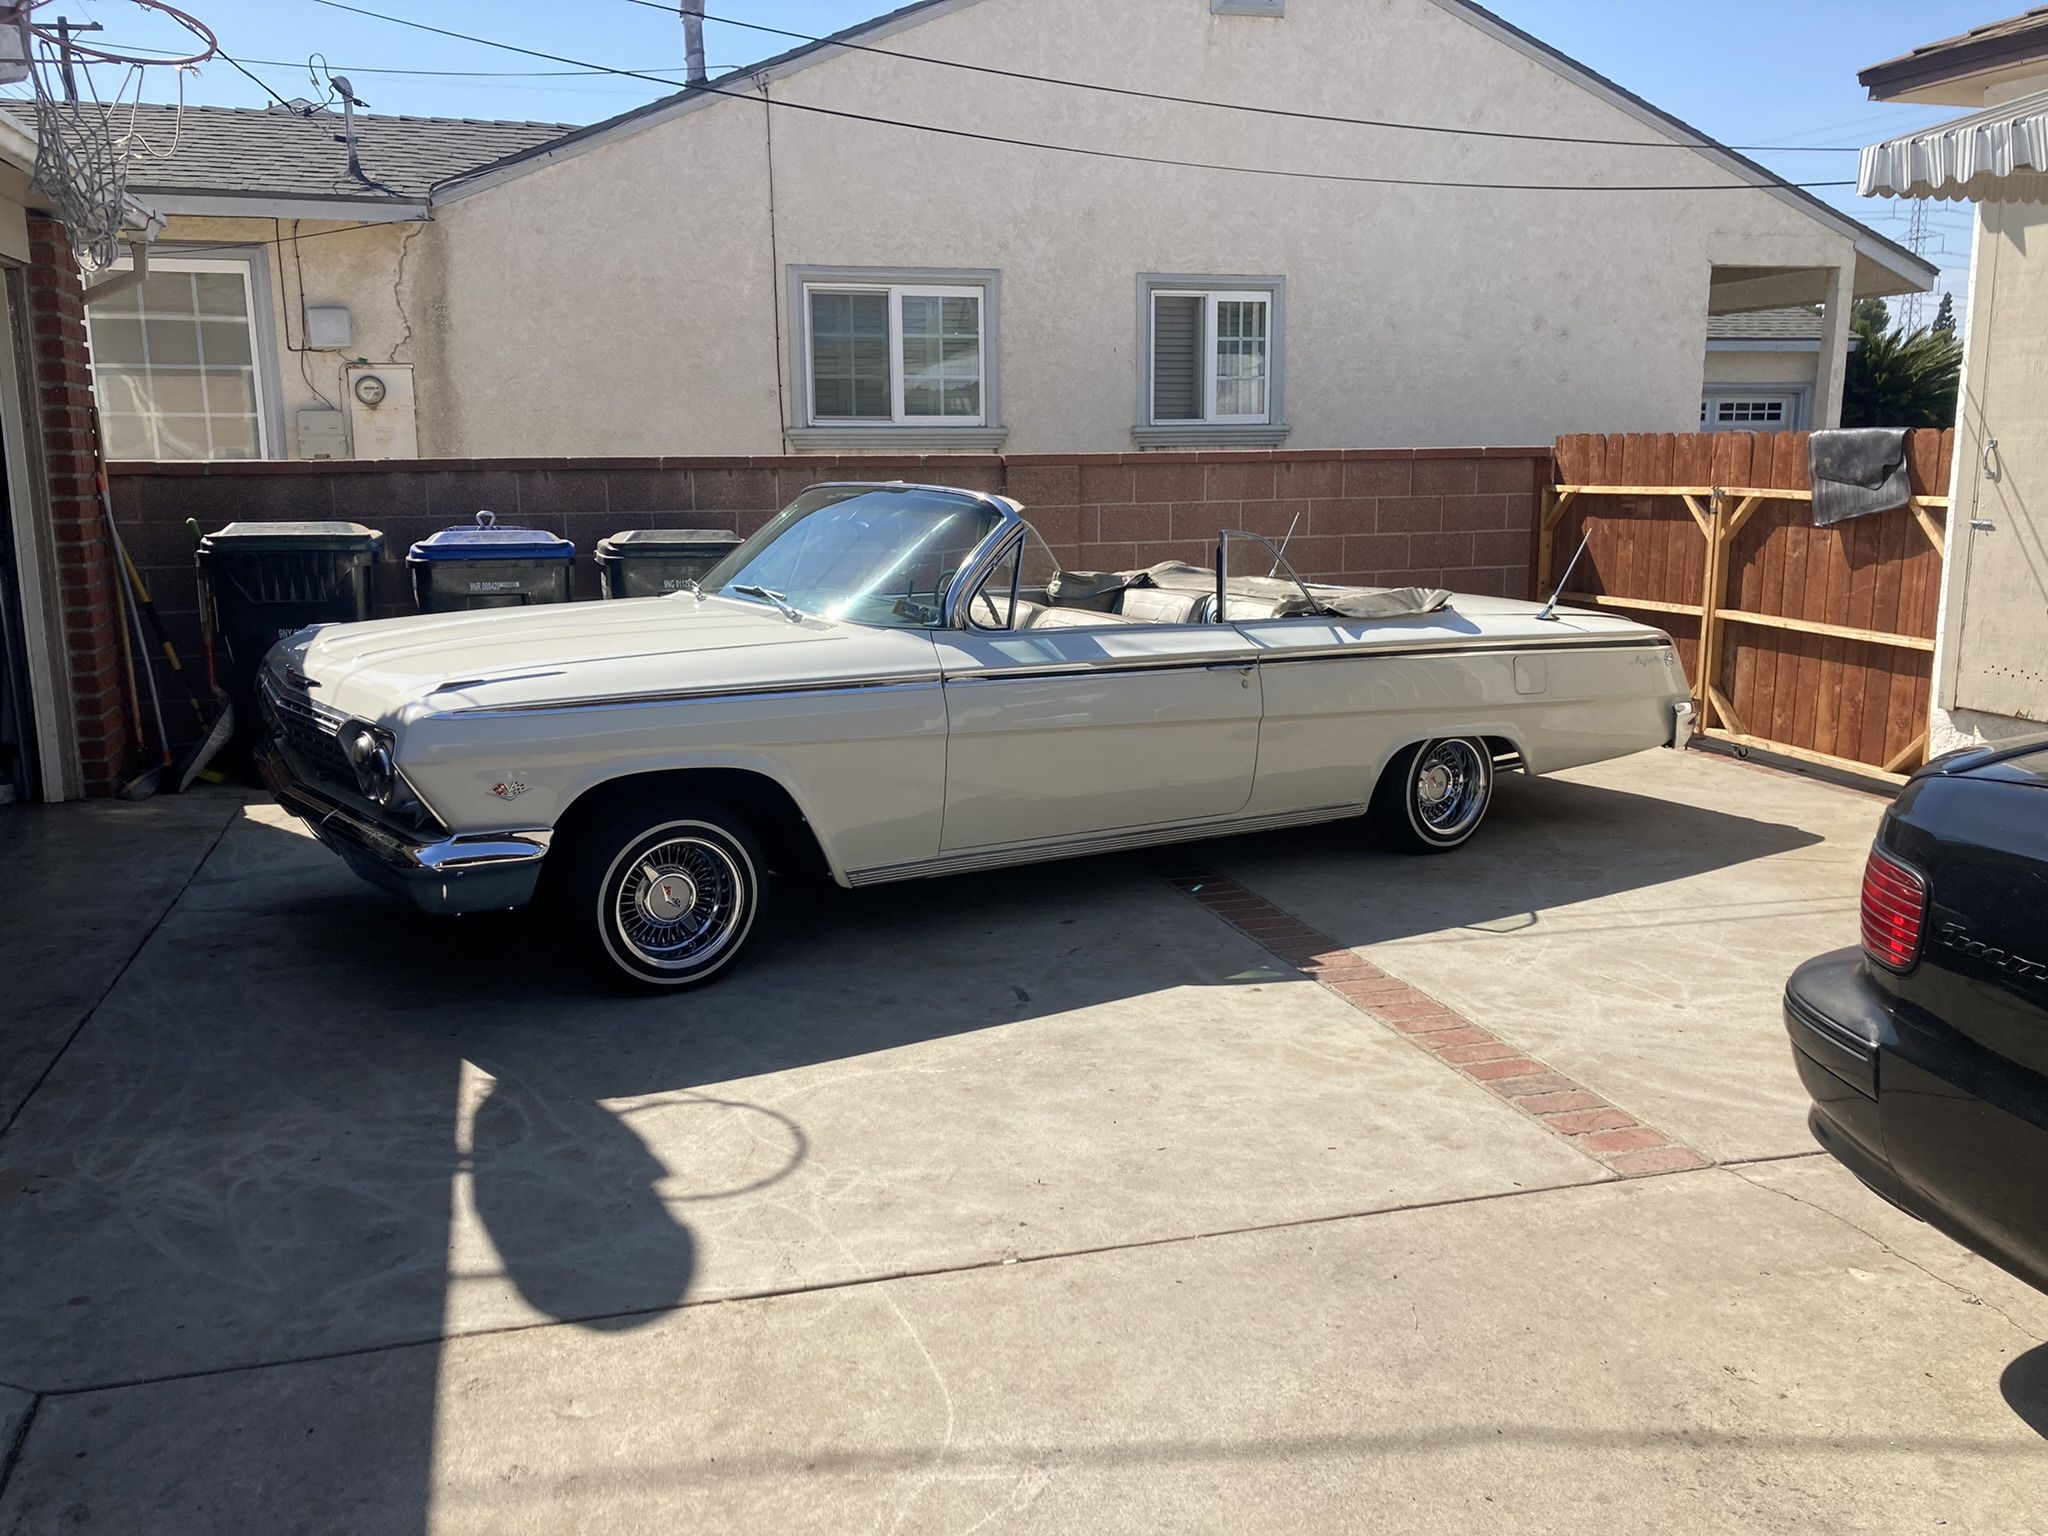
[(1996, 156)]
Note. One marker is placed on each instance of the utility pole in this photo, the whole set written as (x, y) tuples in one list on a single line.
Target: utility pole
[(693, 40), (66, 29)]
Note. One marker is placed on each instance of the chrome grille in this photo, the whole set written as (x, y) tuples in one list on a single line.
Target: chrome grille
[(308, 732)]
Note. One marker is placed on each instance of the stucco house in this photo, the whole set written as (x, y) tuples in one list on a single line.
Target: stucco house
[(1991, 656), (922, 235), (278, 268)]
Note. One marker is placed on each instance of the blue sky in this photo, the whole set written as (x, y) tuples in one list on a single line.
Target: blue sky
[(1745, 71)]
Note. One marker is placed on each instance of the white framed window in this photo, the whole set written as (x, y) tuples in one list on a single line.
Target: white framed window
[(1211, 360), (180, 364), (1211, 357), (1745, 408), (1729, 413), (899, 354)]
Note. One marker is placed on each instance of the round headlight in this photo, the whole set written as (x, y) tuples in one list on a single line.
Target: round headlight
[(369, 753)]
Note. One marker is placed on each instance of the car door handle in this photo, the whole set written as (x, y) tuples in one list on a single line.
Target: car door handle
[(1243, 669), (1982, 525)]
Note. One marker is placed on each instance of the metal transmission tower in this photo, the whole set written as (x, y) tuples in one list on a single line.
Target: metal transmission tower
[(1918, 239)]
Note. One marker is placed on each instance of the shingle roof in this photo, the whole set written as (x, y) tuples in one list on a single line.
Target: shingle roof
[(252, 151), (1796, 324), (726, 82), (1996, 43)]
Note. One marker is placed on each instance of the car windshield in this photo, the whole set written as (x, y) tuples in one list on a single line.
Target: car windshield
[(875, 554)]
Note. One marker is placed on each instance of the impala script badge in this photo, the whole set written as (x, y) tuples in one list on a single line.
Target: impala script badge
[(510, 789)]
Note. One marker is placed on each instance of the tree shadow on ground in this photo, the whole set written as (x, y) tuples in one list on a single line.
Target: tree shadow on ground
[(2024, 1385)]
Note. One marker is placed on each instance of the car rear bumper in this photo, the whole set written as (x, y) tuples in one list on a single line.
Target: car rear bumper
[(466, 872), (1683, 724), (1901, 1102), (1837, 1022)]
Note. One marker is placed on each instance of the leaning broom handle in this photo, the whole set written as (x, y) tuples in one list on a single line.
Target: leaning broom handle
[(156, 703)]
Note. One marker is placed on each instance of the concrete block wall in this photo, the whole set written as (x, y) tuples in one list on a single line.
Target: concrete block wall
[(1456, 517)]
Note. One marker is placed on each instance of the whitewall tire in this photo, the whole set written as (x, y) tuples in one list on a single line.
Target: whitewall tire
[(664, 899), (1433, 796)]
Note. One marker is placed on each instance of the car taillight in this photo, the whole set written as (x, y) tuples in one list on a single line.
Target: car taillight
[(1894, 907)]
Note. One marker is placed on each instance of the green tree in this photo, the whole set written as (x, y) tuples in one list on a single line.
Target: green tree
[(1902, 379), (1945, 317), (1869, 317)]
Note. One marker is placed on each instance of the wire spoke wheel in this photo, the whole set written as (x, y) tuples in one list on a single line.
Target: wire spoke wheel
[(680, 902), (1432, 797), (1451, 781)]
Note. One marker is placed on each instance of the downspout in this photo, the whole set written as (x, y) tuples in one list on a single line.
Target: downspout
[(782, 420)]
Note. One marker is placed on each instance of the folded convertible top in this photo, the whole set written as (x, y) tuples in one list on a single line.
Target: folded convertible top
[(1286, 598)]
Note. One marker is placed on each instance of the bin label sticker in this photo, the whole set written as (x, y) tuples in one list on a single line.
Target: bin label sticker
[(496, 586)]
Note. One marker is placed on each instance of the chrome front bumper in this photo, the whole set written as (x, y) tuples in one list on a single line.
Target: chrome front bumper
[(465, 872)]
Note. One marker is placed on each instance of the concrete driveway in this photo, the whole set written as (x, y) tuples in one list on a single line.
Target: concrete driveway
[(1274, 1184)]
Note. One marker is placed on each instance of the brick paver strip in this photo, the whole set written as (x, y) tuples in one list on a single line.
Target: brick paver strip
[(1605, 1132)]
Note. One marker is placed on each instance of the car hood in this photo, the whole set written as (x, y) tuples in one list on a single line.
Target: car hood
[(548, 653)]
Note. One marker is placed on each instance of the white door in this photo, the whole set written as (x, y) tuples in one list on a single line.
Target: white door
[(1060, 732), (2000, 528)]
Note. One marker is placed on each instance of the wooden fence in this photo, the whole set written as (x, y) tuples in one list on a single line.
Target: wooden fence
[(1814, 642)]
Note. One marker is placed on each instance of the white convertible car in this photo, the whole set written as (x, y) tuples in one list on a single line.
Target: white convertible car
[(891, 681)]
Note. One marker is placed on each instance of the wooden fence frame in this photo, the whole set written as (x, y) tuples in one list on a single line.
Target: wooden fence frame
[(1720, 513)]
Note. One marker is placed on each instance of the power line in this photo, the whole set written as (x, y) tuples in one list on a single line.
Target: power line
[(260, 83), (1071, 149), (282, 240), (1238, 106), (480, 74)]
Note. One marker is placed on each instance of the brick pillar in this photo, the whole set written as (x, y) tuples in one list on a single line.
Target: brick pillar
[(93, 629)]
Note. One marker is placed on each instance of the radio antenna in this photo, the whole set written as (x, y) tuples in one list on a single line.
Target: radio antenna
[(1280, 554), (1550, 607)]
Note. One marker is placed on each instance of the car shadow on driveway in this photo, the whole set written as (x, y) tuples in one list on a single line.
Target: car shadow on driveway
[(290, 1127), (1546, 844)]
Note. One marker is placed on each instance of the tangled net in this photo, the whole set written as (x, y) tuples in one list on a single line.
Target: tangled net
[(81, 164)]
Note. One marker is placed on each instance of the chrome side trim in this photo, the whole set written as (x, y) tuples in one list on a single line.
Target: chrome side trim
[(1056, 669), (1460, 648), (1250, 657), (1100, 842), (904, 682)]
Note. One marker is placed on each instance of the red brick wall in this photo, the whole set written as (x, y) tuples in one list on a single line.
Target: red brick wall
[(1457, 517), (91, 596)]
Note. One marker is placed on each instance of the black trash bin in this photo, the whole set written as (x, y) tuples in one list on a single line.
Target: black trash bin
[(491, 567), (266, 580), (648, 562)]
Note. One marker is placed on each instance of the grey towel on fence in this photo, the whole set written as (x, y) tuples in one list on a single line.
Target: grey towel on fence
[(1857, 471)]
